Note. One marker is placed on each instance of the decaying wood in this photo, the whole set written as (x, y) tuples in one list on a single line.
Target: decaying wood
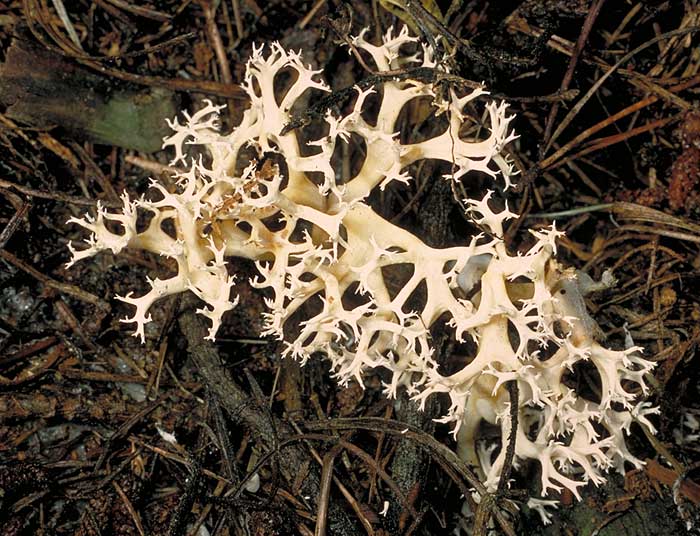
[(267, 430), (45, 90)]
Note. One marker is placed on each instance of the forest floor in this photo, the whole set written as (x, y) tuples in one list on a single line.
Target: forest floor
[(100, 434)]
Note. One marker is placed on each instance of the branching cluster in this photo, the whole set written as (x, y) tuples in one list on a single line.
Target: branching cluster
[(325, 257)]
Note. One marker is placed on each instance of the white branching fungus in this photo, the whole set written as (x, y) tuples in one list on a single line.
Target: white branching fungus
[(324, 257)]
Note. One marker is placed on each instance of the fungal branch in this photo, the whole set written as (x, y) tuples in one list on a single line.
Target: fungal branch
[(326, 262)]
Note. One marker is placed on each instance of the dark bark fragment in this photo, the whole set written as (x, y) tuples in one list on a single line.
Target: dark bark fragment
[(43, 89)]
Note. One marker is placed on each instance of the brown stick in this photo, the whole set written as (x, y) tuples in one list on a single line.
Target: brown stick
[(568, 76), (63, 288), (264, 427)]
